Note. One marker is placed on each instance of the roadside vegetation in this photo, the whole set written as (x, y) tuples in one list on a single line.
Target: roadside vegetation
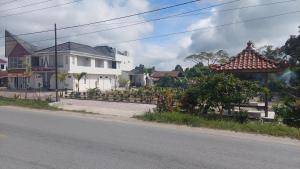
[(224, 123)]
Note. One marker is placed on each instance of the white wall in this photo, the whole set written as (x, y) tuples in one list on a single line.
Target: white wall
[(125, 62), (99, 72), (74, 68), (102, 82)]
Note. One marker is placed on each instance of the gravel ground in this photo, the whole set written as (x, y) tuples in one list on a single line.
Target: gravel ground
[(106, 108)]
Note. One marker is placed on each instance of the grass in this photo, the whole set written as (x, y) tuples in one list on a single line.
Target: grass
[(273, 129), (35, 104)]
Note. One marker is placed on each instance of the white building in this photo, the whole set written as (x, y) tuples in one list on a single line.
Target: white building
[(102, 65)]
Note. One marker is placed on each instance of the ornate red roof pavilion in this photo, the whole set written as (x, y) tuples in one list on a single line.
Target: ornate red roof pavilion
[(250, 61)]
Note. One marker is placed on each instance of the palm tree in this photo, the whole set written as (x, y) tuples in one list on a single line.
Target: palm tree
[(28, 73), (78, 77), (62, 77)]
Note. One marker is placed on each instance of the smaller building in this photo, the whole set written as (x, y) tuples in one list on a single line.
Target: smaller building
[(157, 75), (139, 76)]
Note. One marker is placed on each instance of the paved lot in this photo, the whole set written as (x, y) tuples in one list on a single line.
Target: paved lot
[(107, 108), (31, 139)]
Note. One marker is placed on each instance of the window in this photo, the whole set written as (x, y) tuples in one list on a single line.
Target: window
[(35, 61), (99, 63), (114, 65), (2, 66), (73, 60), (84, 80), (83, 61), (16, 62), (67, 59)]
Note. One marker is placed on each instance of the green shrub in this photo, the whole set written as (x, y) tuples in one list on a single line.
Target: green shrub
[(289, 111), (91, 93), (218, 91), (241, 117)]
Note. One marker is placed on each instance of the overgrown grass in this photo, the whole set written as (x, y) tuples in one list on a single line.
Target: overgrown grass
[(257, 127), (35, 104)]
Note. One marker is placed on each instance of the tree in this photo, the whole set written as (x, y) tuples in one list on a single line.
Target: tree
[(209, 57), (179, 68), (28, 72), (197, 71), (166, 81), (78, 77), (271, 53), (61, 78), (292, 48), (123, 82), (218, 91)]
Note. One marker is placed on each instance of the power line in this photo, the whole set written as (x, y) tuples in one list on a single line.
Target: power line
[(167, 17), (207, 28), (27, 5), (40, 9), (171, 16), (107, 20), (127, 16)]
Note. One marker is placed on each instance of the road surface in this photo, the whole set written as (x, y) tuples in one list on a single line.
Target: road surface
[(39, 140)]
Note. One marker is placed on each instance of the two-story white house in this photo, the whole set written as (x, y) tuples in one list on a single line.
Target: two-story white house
[(102, 65)]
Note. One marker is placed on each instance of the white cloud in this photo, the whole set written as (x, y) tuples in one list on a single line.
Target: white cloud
[(162, 55), (233, 38), (81, 13)]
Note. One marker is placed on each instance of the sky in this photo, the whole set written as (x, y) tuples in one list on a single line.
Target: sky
[(203, 30)]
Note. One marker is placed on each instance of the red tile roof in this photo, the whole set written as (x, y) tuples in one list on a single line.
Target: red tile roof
[(159, 74), (2, 61), (249, 60)]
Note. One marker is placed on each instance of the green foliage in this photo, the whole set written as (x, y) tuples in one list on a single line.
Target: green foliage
[(292, 48), (165, 101), (209, 57), (35, 104), (179, 68), (241, 117), (123, 82), (271, 53), (197, 71), (62, 77), (78, 77), (166, 81), (91, 93), (218, 91), (289, 111), (217, 122)]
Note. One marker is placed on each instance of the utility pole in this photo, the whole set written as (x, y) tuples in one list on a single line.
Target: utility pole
[(56, 67)]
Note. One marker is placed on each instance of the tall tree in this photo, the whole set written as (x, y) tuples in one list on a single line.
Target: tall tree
[(271, 53), (220, 56), (292, 48), (62, 77), (179, 68)]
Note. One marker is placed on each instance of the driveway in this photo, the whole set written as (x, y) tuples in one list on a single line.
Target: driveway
[(106, 108)]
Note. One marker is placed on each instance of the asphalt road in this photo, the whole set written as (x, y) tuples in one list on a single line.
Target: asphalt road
[(33, 140)]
